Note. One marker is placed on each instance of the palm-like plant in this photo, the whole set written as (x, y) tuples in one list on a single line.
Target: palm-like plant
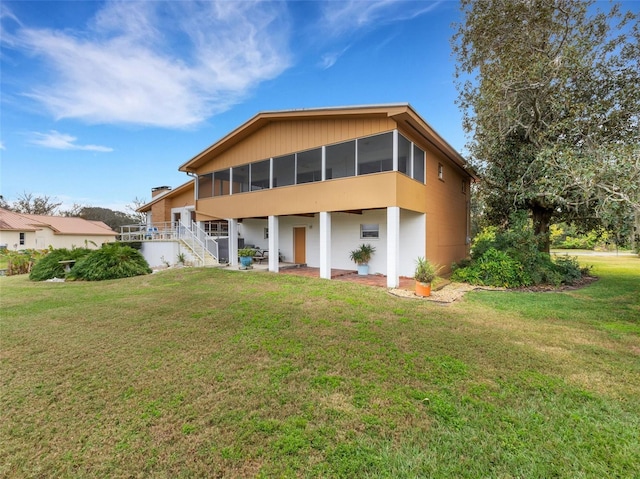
[(425, 271), (363, 254)]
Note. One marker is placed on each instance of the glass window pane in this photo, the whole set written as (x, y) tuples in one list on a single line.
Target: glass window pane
[(375, 154), (418, 164), (284, 170), (240, 179), (309, 166), (205, 186), (260, 175), (404, 155), (221, 182), (340, 160), (369, 231)]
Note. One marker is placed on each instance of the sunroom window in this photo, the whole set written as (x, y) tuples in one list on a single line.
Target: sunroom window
[(340, 160), (309, 166), (375, 154), (404, 155), (260, 175), (205, 186), (284, 170), (240, 179)]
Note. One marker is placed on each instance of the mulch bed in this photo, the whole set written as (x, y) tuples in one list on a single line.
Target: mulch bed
[(549, 288)]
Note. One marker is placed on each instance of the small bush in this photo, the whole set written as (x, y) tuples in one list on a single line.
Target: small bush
[(494, 268), (112, 261), (19, 262), (133, 244), (570, 269), (49, 266)]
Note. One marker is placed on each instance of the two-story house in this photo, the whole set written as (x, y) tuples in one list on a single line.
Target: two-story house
[(313, 184)]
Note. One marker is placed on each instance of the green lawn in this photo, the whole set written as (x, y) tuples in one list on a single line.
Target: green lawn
[(210, 373)]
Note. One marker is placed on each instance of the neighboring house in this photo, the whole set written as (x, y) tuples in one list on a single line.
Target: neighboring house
[(22, 231), (314, 184)]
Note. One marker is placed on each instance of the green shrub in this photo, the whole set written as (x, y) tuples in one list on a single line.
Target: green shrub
[(112, 261), (570, 269), (19, 262), (510, 257), (494, 268), (133, 244), (49, 266), (483, 241)]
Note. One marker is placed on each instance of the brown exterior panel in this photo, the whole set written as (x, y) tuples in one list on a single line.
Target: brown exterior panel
[(178, 198), (354, 193), (447, 211), (288, 136)]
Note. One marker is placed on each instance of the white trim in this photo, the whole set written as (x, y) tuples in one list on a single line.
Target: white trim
[(325, 245), (274, 243), (233, 241), (393, 246), (394, 150)]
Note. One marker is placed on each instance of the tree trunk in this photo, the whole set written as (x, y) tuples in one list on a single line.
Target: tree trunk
[(541, 223)]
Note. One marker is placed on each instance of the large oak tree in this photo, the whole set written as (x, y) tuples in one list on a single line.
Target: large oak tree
[(550, 91)]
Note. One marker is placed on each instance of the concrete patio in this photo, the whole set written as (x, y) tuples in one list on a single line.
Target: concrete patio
[(352, 276)]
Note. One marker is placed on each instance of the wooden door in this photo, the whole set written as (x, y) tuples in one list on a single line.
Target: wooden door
[(299, 245)]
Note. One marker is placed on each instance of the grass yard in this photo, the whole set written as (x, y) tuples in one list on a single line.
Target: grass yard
[(209, 373)]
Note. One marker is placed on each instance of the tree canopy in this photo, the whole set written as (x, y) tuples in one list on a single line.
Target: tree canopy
[(113, 219), (28, 203), (549, 92)]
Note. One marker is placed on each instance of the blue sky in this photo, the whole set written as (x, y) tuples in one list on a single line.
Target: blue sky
[(101, 101)]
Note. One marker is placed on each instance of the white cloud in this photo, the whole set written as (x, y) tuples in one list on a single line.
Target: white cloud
[(167, 64), (329, 59), (347, 19), (62, 141), (2, 147), (353, 15)]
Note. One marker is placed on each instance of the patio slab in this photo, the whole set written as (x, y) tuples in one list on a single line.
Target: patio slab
[(351, 276)]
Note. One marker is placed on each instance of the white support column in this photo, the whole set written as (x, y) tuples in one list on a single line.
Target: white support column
[(325, 245), (233, 241), (393, 246), (274, 243)]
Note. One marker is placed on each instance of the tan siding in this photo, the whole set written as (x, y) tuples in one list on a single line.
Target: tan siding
[(364, 192), (289, 136), (184, 198), (446, 212)]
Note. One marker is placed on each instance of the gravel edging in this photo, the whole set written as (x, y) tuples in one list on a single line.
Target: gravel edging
[(446, 295)]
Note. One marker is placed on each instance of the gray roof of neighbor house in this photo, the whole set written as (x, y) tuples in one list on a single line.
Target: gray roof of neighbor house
[(64, 225)]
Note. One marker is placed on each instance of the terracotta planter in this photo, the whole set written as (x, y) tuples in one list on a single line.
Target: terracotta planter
[(423, 289)]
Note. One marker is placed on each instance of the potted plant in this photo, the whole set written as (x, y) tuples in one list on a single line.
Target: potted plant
[(361, 257), (424, 274), (246, 256)]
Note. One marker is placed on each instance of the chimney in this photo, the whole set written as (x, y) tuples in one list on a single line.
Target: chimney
[(159, 190)]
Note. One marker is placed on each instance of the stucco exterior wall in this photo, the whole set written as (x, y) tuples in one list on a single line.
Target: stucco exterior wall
[(12, 240), (44, 238), (345, 236), (157, 253)]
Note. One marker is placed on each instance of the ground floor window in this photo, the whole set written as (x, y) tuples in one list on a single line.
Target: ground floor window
[(368, 231), (21, 239)]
